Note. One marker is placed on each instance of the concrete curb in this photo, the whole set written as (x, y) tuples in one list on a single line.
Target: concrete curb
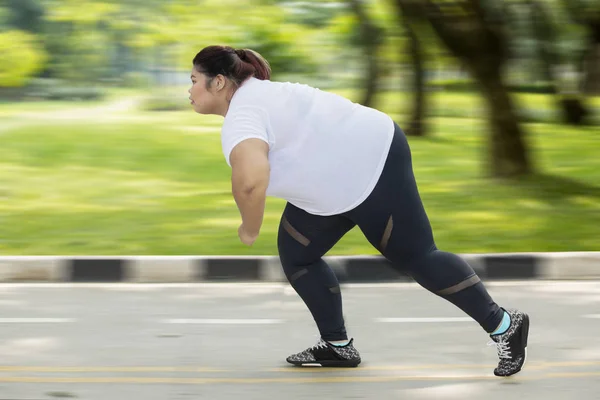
[(349, 269)]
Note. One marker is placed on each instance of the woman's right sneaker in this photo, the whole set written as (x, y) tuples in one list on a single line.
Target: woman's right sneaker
[(512, 344), (325, 354)]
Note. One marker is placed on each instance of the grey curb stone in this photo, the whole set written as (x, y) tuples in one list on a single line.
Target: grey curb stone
[(349, 269)]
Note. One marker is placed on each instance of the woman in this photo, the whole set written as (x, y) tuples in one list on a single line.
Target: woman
[(338, 165)]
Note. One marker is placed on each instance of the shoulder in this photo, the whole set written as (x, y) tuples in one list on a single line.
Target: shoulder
[(244, 123), (244, 114)]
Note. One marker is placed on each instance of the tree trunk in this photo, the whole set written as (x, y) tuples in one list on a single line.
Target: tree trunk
[(475, 32), (370, 44), (586, 15), (508, 155), (372, 78), (416, 126), (591, 82), (546, 36)]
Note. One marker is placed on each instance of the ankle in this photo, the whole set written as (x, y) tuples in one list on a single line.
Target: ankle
[(503, 326), (339, 342)]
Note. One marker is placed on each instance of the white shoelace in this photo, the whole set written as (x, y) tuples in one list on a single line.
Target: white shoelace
[(319, 345), (502, 348)]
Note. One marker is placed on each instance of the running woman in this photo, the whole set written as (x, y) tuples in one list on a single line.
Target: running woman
[(338, 165)]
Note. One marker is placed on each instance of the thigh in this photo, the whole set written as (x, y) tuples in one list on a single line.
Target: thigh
[(393, 217), (304, 238)]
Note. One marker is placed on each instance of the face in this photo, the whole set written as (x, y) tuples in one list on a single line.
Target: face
[(203, 100)]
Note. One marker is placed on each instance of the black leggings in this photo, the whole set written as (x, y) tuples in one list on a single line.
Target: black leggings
[(394, 221)]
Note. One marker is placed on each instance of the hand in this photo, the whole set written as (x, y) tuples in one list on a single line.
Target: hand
[(246, 237)]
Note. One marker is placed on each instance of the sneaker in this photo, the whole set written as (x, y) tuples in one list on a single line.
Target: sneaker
[(512, 345), (324, 354)]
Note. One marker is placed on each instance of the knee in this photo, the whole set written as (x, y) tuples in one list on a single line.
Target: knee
[(401, 244), (294, 258), (295, 252), (294, 262), (410, 254)]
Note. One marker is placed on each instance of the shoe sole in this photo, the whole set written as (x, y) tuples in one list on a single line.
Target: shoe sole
[(525, 330), (329, 364), (524, 338)]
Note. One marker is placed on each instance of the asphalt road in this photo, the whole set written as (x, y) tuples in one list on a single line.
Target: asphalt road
[(229, 341)]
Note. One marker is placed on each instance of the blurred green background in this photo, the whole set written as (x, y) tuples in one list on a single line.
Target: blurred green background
[(101, 153)]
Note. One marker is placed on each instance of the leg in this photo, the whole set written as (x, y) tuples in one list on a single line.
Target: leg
[(394, 221), (303, 239)]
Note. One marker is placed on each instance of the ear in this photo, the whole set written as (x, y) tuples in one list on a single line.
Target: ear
[(219, 82)]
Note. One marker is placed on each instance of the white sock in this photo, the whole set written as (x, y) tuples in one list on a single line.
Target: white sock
[(339, 342)]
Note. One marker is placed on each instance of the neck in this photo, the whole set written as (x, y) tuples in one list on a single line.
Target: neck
[(222, 111)]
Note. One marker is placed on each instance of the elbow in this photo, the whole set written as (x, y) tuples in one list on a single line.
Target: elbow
[(246, 182), (251, 187)]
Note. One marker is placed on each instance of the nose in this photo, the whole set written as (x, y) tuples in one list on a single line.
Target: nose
[(190, 90)]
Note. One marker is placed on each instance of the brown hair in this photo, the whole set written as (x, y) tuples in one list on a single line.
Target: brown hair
[(237, 65)]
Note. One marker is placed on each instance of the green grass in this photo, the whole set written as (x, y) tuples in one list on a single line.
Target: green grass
[(14, 108), (157, 183)]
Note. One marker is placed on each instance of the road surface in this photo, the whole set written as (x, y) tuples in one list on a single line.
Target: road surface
[(229, 341)]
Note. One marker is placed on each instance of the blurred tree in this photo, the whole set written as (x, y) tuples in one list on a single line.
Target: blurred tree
[(314, 14), (263, 27), (20, 58), (76, 41), (26, 15), (587, 14), (341, 35), (547, 37), (100, 39), (474, 30), (408, 14), (352, 35), (403, 39), (525, 66), (188, 26), (369, 39)]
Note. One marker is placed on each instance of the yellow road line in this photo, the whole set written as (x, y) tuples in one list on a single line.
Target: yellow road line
[(384, 368), (573, 374), (528, 366), (288, 369), (108, 369), (331, 379), (201, 381)]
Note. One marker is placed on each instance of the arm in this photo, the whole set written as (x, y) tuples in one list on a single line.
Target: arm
[(249, 181)]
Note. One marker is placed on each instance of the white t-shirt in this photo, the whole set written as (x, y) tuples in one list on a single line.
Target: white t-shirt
[(326, 153)]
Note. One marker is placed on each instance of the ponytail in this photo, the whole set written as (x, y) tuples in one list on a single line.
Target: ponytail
[(237, 65), (262, 69)]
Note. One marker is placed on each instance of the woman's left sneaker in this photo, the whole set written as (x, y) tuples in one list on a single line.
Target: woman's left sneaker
[(325, 354)]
